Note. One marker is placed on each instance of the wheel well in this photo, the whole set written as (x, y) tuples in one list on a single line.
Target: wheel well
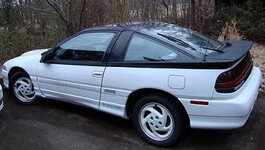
[(15, 70), (136, 95)]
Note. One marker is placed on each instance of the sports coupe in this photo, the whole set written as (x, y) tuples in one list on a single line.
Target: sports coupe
[(165, 77)]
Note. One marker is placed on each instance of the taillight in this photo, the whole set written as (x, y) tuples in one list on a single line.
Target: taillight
[(233, 79)]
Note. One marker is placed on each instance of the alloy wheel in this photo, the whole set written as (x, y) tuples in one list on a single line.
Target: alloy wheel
[(156, 121)]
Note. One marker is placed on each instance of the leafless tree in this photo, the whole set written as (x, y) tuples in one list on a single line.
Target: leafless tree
[(7, 5), (70, 12)]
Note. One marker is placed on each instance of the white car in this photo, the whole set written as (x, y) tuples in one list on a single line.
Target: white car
[(163, 76), (1, 98)]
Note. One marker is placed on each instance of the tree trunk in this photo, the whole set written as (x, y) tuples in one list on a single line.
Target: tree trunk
[(192, 12), (69, 29), (166, 6), (174, 9), (7, 8), (217, 5)]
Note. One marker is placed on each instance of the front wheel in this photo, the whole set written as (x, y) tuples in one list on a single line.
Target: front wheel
[(157, 120), (22, 88)]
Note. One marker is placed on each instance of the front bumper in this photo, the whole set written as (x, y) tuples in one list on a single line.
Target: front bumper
[(230, 112), (5, 78), (1, 104), (1, 98)]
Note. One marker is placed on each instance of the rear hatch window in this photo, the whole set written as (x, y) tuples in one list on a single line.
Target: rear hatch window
[(192, 41)]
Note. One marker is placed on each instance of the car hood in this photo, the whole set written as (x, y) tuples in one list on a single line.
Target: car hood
[(35, 52)]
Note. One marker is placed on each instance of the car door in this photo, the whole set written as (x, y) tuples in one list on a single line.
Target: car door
[(75, 71)]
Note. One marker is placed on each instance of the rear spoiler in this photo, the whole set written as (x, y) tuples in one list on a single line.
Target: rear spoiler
[(233, 52)]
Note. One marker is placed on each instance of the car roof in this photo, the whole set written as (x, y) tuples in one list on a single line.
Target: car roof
[(133, 26)]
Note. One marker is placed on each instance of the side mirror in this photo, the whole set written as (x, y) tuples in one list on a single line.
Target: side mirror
[(46, 56)]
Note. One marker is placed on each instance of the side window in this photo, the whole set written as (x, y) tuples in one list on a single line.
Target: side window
[(142, 49), (85, 47)]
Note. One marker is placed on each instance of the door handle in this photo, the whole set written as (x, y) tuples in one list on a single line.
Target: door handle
[(97, 74)]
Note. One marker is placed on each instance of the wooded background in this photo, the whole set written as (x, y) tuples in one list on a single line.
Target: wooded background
[(28, 24)]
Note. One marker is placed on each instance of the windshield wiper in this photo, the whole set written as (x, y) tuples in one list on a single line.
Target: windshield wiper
[(212, 49), (152, 59), (176, 40)]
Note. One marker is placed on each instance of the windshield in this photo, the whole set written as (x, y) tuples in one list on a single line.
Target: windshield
[(191, 40)]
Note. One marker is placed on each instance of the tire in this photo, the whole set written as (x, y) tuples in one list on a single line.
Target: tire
[(22, 89), (149, 120)]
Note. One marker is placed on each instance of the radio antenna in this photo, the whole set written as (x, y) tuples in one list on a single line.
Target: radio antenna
[(206, 50)]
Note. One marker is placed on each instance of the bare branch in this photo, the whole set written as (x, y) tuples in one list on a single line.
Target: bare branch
[(33, 8), (81, 14), (41, 10), (57, 10)]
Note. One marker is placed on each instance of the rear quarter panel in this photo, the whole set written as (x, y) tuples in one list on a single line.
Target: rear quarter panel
[(198, 84)]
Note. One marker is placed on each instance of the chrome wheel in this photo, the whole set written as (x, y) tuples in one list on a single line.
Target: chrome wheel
[(24, 90), (156, 121)]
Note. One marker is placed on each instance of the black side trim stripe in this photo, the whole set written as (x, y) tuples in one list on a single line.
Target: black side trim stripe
[(193, 65)]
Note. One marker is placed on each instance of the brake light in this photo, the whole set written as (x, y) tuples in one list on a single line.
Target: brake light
[(233, 79)]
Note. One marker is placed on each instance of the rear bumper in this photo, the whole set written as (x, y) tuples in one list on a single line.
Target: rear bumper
[(230, 112)]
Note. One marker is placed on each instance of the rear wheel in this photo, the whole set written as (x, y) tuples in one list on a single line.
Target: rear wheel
[(158, 120), (22, 88)]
